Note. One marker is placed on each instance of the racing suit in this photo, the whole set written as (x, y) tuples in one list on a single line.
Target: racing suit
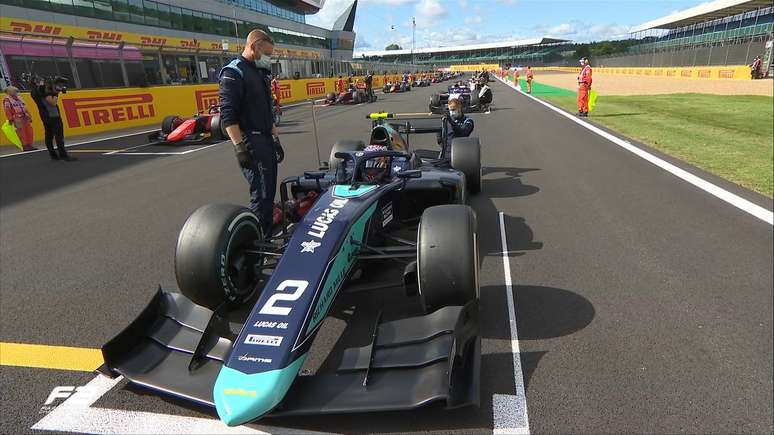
[(584, 87), (245, 99)]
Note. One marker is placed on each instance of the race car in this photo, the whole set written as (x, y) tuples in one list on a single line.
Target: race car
[(383, 218), (200, 127), (355, 95), (475, 97), (397, 86)]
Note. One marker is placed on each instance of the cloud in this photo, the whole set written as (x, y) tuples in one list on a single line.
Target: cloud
[(507, 2), (476, 19), (429, 12), (362, 43), (564, 29)]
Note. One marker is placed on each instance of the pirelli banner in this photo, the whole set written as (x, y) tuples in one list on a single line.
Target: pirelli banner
[(729, 72), (102, 110)]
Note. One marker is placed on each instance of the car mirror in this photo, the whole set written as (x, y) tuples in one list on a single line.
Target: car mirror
[(314, 175), (413, 173)]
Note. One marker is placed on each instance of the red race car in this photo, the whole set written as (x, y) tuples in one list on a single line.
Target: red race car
[(200, 127)]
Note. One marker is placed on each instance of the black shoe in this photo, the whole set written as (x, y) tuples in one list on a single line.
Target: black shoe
[(54, 157)]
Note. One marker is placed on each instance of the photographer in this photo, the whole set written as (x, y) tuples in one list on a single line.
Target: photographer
[(45, 93)]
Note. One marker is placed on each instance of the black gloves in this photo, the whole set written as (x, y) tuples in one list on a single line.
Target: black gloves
[(243, 154), (279, 153)]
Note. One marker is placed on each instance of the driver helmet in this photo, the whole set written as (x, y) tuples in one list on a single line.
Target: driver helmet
[(377, 168)]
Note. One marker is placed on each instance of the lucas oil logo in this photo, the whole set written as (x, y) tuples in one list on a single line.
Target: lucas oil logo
[(263, 340), (321, 223), (206, 98), (83, 112)]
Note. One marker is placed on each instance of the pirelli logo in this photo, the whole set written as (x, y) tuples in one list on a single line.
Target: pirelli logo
[(685, 73), (206, 98), (83, 112), (20, 26), (104, 36), (726, 74), (284, 91), (705, 73), (658, 72), (671, 73), (315, 88)]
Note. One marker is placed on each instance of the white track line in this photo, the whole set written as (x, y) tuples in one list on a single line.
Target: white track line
[(178, 153), (733, 199), (510, 412), (77, 415), (79, 143)]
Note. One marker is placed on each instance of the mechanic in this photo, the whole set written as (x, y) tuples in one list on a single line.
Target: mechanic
[(46, 97), (369, 84), (246, 113), (584, 87), (17, 114), (339, 85), (460, 124)]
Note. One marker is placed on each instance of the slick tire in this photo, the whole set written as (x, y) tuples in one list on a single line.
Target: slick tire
[(447, 257), (170, 123), (474, 101), (466, 157), (216, 128), (435, 102), (212, 265), (343, 146)]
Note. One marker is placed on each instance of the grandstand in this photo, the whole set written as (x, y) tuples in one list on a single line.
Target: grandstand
[(722, 32), (537, 51)]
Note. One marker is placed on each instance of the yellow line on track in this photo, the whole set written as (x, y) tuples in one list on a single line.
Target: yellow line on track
[(50, 357)]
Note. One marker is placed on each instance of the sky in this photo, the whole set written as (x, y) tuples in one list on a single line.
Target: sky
[(444, 23)]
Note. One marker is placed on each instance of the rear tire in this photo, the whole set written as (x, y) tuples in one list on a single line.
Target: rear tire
[(170, 123), (466, 157), (343, 146), (447, 257), (474, 102), (211, 265)]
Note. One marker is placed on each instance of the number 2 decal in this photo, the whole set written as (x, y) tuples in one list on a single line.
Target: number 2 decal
[(270, 308)]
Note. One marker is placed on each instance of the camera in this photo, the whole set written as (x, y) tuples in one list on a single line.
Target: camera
[(48, 85)]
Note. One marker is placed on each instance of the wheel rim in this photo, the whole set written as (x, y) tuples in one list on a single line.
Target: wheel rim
[(241, 260)]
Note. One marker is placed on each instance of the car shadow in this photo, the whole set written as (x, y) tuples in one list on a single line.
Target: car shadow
[(507, 184)]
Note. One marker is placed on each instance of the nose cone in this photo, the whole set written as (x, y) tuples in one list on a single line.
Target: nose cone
[(241, 397)]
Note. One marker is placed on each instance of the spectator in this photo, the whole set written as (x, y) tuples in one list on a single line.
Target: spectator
[(18, 115), (46, 97), (755, 68)]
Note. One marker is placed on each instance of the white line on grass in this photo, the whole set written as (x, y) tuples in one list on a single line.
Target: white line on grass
[(733, 199), (77, 415), (510, 412)]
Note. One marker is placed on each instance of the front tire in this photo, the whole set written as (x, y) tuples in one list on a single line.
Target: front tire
[(466, 157), (216, 128), (447, 257), (212, 265), (169, 123)]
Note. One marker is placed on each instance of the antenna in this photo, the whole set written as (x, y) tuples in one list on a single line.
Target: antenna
[(316, 142), (413, 37)]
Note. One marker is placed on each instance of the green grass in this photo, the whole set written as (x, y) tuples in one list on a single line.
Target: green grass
[(729, 136)]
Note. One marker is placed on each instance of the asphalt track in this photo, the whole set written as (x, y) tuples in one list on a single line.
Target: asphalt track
[(643, 303)]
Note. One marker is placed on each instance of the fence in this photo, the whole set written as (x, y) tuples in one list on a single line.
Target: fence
[(720, 54)]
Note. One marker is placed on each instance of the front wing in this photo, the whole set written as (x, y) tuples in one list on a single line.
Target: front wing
[(177, 347)]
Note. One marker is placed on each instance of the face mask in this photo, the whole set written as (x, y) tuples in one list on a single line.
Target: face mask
[(264, 62), (455, 114)]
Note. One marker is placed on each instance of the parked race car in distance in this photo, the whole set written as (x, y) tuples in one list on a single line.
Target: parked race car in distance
[(474, 96), (200, 127), (355, 95)]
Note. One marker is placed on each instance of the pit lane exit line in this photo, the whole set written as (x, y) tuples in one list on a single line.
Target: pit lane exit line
[(50, 357), (717, 191), (510, 411)]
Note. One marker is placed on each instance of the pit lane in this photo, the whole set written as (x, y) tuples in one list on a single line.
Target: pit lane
[(613, 302)]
